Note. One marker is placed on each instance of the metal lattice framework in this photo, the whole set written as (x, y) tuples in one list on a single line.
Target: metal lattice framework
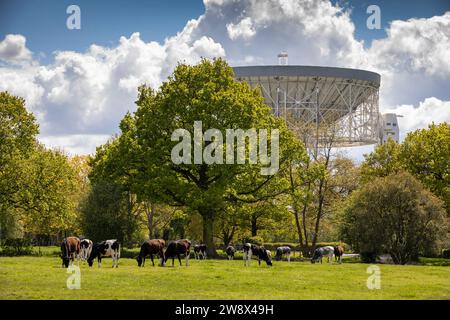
[(346, 99)]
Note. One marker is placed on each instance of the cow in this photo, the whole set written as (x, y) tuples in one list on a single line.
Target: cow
[(85, 249), (200, 249), (319, 253), (258, 251), (149, 248), (70, 249), (176, 249), (285, 250), (230, 250), (338, 253), (107, 248)]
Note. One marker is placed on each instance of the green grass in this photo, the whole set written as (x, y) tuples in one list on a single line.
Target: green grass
[(43, 278)]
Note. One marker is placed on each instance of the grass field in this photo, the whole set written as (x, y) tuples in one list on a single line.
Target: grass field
[(43, 278)]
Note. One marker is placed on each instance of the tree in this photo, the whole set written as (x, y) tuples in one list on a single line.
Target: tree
[(383, 161), (205, 92), (393, 214), (18, 130), (425, 154)]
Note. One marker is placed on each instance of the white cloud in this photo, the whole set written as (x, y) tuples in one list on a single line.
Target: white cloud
[(420, 116), (13, 49), (244, 29)]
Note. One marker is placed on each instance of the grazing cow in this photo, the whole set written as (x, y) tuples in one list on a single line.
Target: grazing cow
[(230, 250), (149, 248), (200, 249), (70, 249), (177, 248), (338, 253), (259, 251), (107, 248), (283, 251), (85, 249), (321, 252)]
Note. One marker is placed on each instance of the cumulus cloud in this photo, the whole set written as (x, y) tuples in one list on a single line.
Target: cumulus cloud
[(13, 49), (421, 115), (244, 29), (413, 60), (90, 92), (80, 97)]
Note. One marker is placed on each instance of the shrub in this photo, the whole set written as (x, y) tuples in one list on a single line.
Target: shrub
[(255, 240), (16, 247), (395, 215)]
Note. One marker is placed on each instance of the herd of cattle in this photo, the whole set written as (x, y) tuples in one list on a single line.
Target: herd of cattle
[(72, 248)]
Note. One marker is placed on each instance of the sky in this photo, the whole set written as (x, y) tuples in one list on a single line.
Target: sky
[(80, 83)]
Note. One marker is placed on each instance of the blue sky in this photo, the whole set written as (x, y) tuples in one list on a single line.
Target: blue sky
[(104, 21), (79, 92)]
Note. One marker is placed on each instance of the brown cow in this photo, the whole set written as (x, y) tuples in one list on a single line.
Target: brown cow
[(70, 249), (338, 252), (177, 248), (151, 247)]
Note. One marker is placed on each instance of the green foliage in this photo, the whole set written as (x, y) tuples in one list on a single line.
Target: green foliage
[(36, 184), (425, 154), (16, 247), (394, 215), (255, 240), (105, 214), (205, 92)]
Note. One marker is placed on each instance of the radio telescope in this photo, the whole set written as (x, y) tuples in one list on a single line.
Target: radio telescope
[(310, 96)]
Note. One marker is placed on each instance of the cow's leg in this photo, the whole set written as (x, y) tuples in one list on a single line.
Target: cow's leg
[(179, 259), (151, 257), (173, 261), (330, 259), (99, 262), (245, 259), (204, 257), (289, 257)]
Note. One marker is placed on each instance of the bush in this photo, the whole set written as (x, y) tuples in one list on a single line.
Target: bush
[(255, 240), (394, 215), (368, 257), (16, 247), (446, 253)]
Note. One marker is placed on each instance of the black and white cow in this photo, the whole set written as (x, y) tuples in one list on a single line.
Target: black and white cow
[(85, 249), (230, 250), (107, 248), (319, 253), (200, 250), (258, 251), (283, 251), (176, 249)]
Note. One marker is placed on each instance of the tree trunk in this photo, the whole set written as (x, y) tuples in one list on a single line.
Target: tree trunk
[(208, 234), (150, 215), (254, 226), (319, 214), (299, 229)]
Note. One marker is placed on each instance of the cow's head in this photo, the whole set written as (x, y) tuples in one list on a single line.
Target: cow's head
[(315, 256), (65, 261), (269, 258), (139, 260)]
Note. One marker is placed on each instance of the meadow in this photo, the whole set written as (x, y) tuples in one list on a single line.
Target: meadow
[(41, 277)]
